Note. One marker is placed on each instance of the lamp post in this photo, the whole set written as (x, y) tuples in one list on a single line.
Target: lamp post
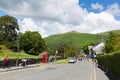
[(18, 42), (56, 55), (18, 48)]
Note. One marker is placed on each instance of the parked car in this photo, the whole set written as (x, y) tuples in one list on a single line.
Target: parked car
[(72, 60), (80, 58)]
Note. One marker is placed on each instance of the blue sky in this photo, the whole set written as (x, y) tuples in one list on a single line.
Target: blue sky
[(50, 17), (87, 4), (105, 3), (2, 13)]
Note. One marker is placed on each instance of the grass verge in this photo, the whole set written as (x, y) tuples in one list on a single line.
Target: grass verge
[(63, 61), (13, 55)]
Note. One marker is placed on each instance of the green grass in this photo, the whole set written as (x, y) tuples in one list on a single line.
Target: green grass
[(63, 61), (79, 39), (13, 55), (76, 38), (107, 33)]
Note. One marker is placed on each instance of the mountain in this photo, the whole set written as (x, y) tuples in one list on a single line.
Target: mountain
[(54, 41), (107, 33)]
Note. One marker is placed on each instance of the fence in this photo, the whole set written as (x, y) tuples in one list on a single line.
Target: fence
[(16, 62)]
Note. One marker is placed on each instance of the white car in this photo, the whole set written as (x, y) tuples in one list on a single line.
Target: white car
[(72, 60)]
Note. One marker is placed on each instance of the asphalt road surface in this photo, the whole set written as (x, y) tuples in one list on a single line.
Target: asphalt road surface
[(81, 70)]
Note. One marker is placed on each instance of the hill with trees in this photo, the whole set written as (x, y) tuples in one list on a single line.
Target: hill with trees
[(79, 39)]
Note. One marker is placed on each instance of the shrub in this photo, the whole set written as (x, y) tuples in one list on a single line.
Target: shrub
[(2, 48), (110, 62)]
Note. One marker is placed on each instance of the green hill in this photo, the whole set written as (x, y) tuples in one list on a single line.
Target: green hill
[(77, 38), (107, 33)]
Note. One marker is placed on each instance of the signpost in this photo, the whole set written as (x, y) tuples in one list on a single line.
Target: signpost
[(55, 56)]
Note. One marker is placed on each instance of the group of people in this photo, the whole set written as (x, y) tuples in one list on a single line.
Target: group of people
[(6, 63), (92, 56)]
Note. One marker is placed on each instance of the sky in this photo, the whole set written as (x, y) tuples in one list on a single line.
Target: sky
[(50, 17)]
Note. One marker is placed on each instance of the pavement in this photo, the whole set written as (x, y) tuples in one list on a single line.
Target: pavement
[(21, 67)]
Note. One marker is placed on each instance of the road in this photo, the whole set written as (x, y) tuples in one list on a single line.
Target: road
[(81, 70)]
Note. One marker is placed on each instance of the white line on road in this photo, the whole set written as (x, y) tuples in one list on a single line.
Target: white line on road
[(52, 78), (92, 72)]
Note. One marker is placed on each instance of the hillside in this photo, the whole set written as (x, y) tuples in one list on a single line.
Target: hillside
[(77, 38), (107, 33)]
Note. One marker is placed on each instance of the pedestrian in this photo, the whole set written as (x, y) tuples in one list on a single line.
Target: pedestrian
[(95, 59), (24, 61), (91, 54), (6, 62)]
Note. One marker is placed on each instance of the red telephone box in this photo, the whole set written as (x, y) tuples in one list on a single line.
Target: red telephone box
[(44, 57)]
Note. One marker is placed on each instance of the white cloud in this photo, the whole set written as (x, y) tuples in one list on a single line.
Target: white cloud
[(63, 11), (50, 17), (43, 27), (114, 9), (97, 6), (100, 22), (27, 24)]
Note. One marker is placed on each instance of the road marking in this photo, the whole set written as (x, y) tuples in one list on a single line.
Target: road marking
[(92, 72), (57, 75)]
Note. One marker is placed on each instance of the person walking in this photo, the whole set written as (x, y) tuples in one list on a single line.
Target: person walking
[(6, 62)]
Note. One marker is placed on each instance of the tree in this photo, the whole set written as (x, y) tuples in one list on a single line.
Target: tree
[(71, 50), (32, 43), (68, 50), (116, 42), (61, 50), (85, 46), (8, 29), (113, 43)]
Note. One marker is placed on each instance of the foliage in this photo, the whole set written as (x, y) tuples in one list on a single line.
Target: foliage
[(12, 46), (8, 27), (14, 55), (71, 51), (8, 32), (113, 43), (111, 62), (3, 49), (68, 50), (62, 61), (85, 46), (32, 43), (53, 42)]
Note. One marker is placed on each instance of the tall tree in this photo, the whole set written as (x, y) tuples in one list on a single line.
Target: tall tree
[(113, 42), (68, 50), (71, 50), (8, 28), (32, 43)]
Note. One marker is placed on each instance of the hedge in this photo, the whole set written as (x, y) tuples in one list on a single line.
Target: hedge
[(111, 63)]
